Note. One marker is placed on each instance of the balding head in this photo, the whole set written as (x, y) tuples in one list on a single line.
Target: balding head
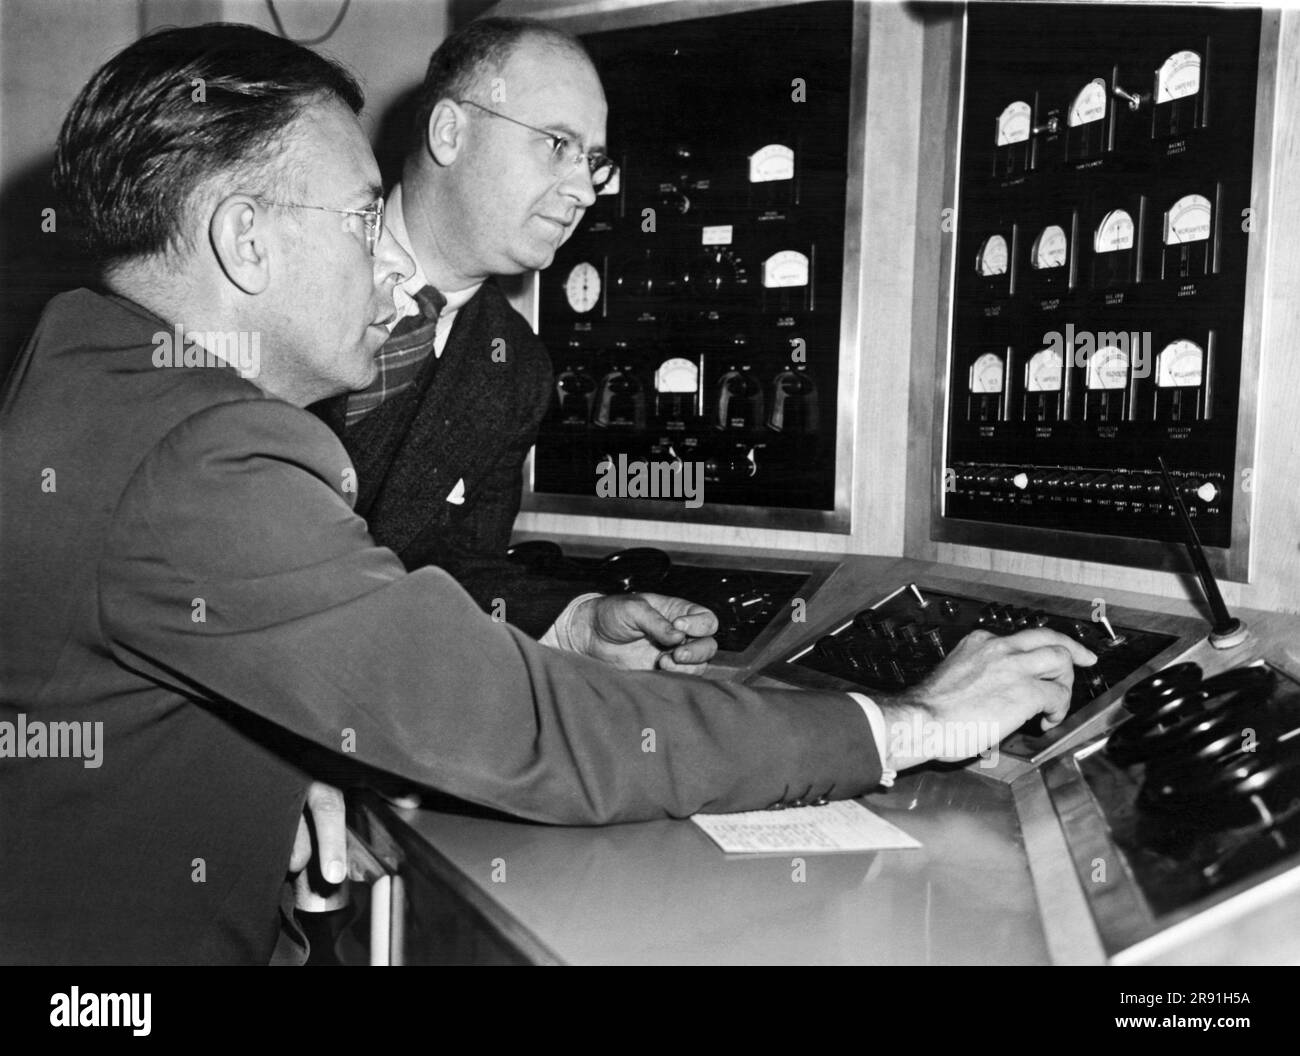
[(493, 186)]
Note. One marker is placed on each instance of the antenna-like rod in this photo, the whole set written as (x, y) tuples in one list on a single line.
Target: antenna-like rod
[(1226, 630)]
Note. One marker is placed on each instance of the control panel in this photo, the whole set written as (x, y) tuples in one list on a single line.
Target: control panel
[(693, 319), (1197, 792), (892, 645), (1104, 217)]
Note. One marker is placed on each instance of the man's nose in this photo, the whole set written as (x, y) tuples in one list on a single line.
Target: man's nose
[(577, 185), (392, 261)]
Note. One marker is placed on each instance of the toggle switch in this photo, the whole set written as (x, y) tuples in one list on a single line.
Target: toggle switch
[(1114, 639)]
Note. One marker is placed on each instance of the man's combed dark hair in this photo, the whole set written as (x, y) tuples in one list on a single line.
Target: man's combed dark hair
[(173, 112), (480, 49)]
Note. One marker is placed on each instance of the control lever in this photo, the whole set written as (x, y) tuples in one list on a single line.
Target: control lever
[(1134, 100), (1115, 639), (1226, 631)]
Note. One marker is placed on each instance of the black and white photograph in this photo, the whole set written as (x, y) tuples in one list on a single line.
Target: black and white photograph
[(650, 483)]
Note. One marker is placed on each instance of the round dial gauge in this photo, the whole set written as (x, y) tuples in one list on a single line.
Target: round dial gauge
[(1188, 220), (1089, 105), (1108, 368), (1049, 248), (786, 268), (677, 375), (1179, 76), (582, 287), (772, 162), (1013, 124), (1115, 232), (992, 259), (1043, 371), (1180, 363), (986, 373)]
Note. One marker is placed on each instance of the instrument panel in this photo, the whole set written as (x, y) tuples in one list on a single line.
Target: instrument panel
[(694, 317), (1104, 219)]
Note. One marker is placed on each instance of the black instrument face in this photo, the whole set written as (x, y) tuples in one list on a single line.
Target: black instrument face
[(710, 276), (1200, 787), (1101, 270), (745, 600), (894, 645)]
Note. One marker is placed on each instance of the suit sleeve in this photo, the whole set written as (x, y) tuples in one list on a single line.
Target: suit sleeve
[(235, 571)]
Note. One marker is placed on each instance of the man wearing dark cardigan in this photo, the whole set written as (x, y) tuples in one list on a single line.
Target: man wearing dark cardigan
[(505, 155)]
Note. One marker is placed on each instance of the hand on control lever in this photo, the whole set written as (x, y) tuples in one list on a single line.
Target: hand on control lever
[(986, 688)]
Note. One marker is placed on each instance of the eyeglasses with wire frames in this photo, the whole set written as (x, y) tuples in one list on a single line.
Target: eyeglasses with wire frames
[(372, 215), (565, 155)]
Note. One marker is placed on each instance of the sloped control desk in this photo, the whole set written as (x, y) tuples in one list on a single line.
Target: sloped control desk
[(1008, 869)]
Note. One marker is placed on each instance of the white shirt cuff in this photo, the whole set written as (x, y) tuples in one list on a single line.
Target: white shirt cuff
[(878, 732), (559, 634)]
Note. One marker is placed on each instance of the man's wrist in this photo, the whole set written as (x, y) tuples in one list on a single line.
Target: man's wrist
[(905, 720), (571, 631)]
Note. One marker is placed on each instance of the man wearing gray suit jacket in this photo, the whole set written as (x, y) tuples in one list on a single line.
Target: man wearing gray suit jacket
[(188, 591)]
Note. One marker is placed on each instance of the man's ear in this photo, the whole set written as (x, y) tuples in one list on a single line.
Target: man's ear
[(444, 135), (238, 233)]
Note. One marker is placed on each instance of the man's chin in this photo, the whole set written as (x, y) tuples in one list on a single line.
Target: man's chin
[(538, 257), (366, 371)]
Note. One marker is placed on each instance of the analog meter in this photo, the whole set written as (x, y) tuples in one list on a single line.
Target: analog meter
[(1188, 220), (1115, 232), (1178, 77), (986, 373), (772, 162), (1013, 124), (677, 375), (1049, 249), (1043, 372), (789, 267), (1044, 382), (992, 259), (1182, 389), (582, 287), (1089, 105), (1180, 363), (1108, 368), (984, 404), (1187, 225), (1106, 398)]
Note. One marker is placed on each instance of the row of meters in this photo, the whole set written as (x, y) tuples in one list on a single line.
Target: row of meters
[(1171, 103), (1128, 243), (740, 398), (1113, 379)]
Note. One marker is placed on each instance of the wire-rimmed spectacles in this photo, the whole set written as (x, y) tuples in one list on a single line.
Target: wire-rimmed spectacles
[(372, 215), (565, 155)]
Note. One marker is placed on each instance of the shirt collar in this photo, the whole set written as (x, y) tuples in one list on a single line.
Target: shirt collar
[(404, 294)]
